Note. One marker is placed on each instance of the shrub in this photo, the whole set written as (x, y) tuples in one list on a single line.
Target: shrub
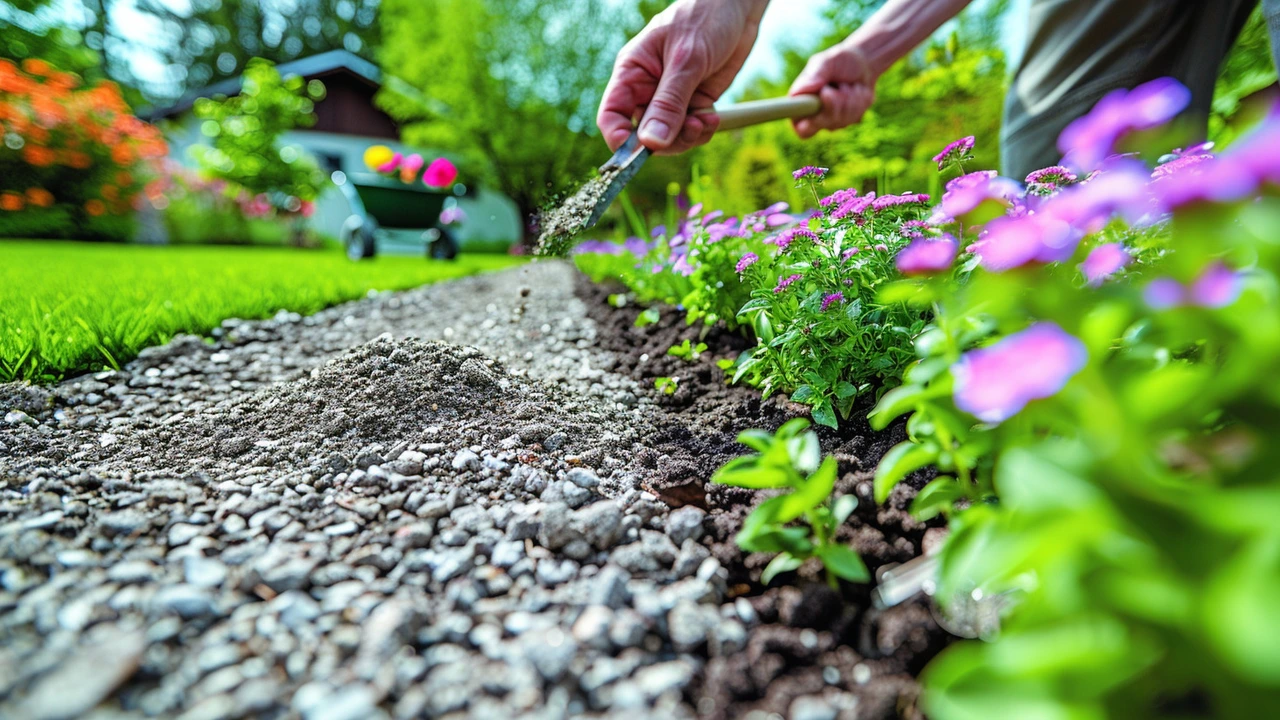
[(74, 161)]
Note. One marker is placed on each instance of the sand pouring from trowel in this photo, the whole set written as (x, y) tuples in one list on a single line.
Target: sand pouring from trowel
[(584, 208)]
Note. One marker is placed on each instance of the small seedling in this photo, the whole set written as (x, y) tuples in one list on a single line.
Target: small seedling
[(687, 350), (791, 460), (648, 317), (667, 385)]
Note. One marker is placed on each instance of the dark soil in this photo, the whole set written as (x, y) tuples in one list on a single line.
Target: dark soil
[(866, 659)]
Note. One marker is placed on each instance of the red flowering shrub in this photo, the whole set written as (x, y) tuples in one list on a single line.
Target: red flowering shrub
[(74, 161)]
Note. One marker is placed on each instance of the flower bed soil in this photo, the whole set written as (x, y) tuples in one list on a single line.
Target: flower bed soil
[(785, 659)]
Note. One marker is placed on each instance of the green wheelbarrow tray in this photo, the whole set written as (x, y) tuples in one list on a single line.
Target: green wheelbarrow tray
[(380, 203)]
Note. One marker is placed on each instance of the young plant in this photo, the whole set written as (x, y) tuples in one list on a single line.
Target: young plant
[(687, 350), (791, 461), (667, 385)]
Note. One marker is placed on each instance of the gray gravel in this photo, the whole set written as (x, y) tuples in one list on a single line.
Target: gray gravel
[(417, 504)]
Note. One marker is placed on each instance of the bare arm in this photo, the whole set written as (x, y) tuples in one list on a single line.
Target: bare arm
[(845, 75)]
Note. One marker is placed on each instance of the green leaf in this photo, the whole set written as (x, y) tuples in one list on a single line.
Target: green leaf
[(804, 452), (844, 563), (758, 440), (815, 491), (792, 428), (901, 460), (763, 327), (803, 394), (843, 507), (754, 305), (648, 317), (775, 539), (824, 414), (936, 497), (784, 562), (845, 389), (902, 399), (750, 472)]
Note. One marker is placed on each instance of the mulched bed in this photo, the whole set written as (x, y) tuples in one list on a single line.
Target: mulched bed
[(865, 658)]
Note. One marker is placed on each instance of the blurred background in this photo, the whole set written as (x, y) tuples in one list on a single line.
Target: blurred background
[(239, 148), (122, 120)]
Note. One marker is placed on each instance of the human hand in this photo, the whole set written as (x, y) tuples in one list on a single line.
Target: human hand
[(685, 58), (844, 80)]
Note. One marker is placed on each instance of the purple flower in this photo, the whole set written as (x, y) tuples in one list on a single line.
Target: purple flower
[(848, 254), (1217, 286), (976, 177), (1103, 262), (954, 152), (784, 239), (832, 299), (964, 198), (996, 382), (682, 266), (854, 206), (1089, 140), (1120, 187), (1179, 164), (1011, 242), (1048, 180), (1164, 294), (784, 283), (915, 229), (881, 247), (838, 198), (925, 257), (693, 211), (885, 202), (809, 171), (747, 261)]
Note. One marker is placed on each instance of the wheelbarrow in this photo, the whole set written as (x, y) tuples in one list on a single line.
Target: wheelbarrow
[(387, 214)]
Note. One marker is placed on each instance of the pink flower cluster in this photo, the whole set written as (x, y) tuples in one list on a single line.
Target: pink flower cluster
[(995, 383), (1217, 286), (747, 261)]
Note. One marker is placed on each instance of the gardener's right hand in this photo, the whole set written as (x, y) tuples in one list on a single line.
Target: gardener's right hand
[(685, 58)]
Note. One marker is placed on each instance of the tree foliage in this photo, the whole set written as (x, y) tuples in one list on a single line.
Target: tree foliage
[(244, 133), (510, 85)]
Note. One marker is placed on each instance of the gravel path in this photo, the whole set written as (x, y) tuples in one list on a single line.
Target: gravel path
[(422, 504)]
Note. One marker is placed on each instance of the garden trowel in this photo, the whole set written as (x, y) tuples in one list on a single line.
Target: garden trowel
[(629, 158)]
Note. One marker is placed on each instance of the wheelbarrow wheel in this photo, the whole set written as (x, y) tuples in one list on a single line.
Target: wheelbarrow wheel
[(441, 245), (358, 240)]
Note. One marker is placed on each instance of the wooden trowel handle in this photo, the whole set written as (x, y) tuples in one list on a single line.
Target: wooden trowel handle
[(756, 112)]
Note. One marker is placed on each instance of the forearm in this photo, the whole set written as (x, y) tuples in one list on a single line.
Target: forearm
[(899, 27)]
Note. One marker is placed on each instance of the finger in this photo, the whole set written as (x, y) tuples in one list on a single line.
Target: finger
[(623, 100), (811, 79), (698, 130), (806, 128), (669, 106)]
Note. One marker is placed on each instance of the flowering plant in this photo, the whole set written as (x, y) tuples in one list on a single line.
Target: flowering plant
[(1093, 398), (71, 154)]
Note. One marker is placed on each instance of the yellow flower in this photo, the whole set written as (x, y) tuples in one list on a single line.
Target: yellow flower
[(377, 156)]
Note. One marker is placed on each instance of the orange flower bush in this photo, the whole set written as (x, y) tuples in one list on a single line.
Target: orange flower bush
[(74, 160)]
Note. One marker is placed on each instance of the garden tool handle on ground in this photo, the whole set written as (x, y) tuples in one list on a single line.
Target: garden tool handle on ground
[(755, 112)]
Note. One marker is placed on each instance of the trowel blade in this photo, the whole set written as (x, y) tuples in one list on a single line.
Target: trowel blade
[(623, 166)]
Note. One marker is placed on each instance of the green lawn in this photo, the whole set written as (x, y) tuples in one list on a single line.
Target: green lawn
[(68, 308)]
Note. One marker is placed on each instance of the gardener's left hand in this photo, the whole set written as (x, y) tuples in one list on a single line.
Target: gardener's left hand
[(844, 80)]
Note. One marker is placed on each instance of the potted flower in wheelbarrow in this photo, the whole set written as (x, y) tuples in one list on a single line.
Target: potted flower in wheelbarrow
[(400, 202)]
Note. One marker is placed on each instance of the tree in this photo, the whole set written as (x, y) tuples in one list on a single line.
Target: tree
[(511, 86), (244, 131), (204, 41)]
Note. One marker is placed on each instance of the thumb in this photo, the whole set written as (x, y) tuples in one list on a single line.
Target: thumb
[(665, 116)]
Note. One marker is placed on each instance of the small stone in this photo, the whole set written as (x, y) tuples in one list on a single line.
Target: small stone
[(467, 460), (657, 680), (554, 441), (186, 601), (689, 623), (183, 533), (811, 708), (123, 522), (203, 572), (130, 572), (628, 629), (685, 524), (343, 528), (17, 417), (609, 587), (417, 535), (592, 627), (583, 478)]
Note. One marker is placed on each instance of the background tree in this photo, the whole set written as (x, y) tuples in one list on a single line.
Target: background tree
[(513, 86)]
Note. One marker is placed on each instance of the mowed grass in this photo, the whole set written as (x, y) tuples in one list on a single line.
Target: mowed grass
[(68, 308)]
